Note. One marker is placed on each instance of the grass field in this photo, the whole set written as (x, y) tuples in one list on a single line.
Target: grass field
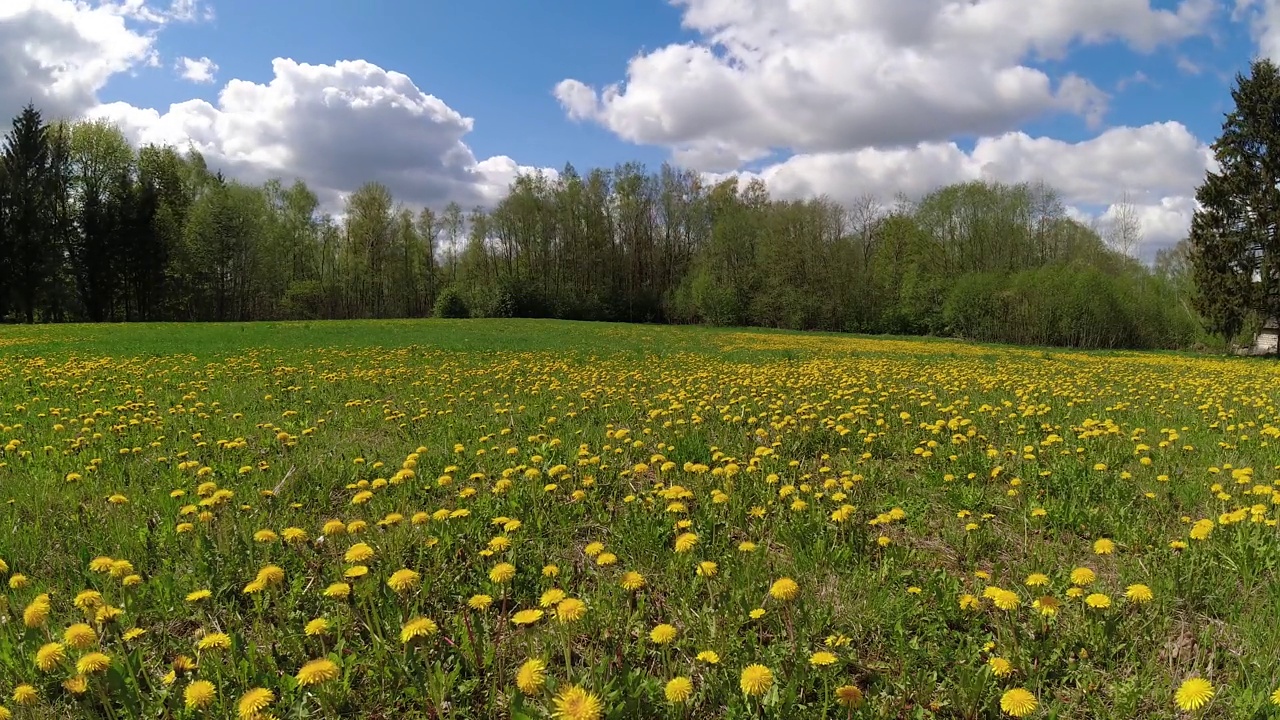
[(528, 519)]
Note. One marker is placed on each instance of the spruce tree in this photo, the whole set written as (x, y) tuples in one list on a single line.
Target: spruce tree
[(1235, 234)]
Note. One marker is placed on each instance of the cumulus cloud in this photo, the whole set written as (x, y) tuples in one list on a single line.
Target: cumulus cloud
[(196, 70), (59, 53), (1158, 165), (836, 75), (336, 126)]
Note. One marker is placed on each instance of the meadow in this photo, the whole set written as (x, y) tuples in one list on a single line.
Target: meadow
[(532, 519)]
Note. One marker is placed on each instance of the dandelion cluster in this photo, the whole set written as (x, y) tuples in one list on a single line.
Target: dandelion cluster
[(473, 523)]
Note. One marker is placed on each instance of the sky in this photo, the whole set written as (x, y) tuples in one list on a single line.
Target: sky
[(1107, 100)]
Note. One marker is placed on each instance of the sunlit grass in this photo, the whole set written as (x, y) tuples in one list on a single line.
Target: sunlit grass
[(481, 519)]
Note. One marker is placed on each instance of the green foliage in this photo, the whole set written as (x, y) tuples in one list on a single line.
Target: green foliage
[(1235, 233), (451, 305), (94, 230)]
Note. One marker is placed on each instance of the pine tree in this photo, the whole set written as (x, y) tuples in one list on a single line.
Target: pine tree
[(1235, 235)]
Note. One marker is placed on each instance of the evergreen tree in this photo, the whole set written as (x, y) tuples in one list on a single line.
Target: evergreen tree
[(1235, 234)]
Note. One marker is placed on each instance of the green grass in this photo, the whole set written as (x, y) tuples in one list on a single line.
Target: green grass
[(435, 433)]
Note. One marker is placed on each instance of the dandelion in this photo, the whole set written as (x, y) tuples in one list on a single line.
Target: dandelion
[(849, 696), (1082, 576), (756, 680), (531, 676), (403, 580), (317, 671), (1104, 546), (338, 591), (1047, 605), (822, 658), (93, 662), (214, 641), (480, 602), (570, 610), (358, 553), (576, 703), (76, 685), (198, 595), (678, 689), (80, 636), (416, 628), (526, 617), (1138, 593), (502, 572), (685, 542), (1098, 601), (1193, 694), (198, 695), (50, 656), (632, 581), (784, 590), (706, 568), (1018, 702), (1000, 667), (317, 628), (254, 702), (1037, 580), (663, 634), (551, 597), (25, 695), (710, 657)]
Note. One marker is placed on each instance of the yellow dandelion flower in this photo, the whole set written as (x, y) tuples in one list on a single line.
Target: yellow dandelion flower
[(254, 702), (849, 696), (526, 617), (358, 553), (576, 703), (711, 657), (339, 591), (784, 590), (198, 595), (317, 671), (93, 662), (502, 572), (1018, 702), (1000, 667), (50, 656), (416, 628), (1098, 601), (199, 694), (316, 628), (80, 636), (678, 689), (1193, 694), (403, 580), (685, 542), (663, 634), (1139, 593), (822, 658), (756, 679), (25, 695), (1082, 576), (632, 581), (1104, 546), (531, 676), (214, 641), (480, 602), (570, 610)]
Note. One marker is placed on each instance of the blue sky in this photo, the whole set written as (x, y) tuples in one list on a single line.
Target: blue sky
[(497, 61)]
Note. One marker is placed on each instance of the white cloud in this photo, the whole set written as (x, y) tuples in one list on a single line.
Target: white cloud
[(336, 126), (837, 75), (59, 53), (197, 70), (1159, 165), (1264, 21)]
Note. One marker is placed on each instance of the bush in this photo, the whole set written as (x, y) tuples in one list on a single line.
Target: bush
[(451, 305)]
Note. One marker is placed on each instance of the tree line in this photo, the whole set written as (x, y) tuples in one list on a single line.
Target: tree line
[(92, 229)]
